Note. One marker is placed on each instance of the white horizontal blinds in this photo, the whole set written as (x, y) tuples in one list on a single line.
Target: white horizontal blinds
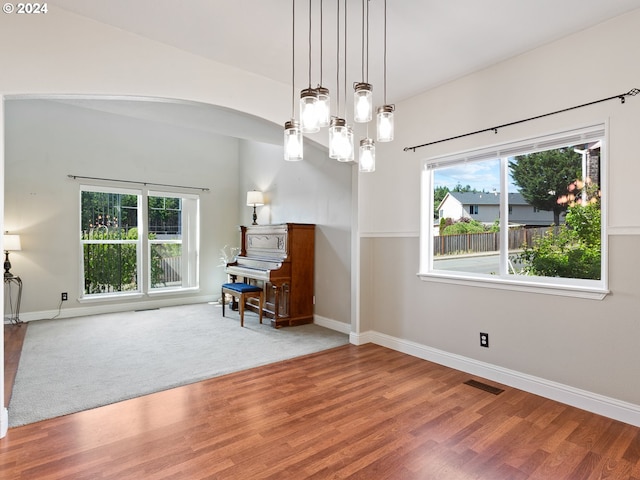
[(511, 149)]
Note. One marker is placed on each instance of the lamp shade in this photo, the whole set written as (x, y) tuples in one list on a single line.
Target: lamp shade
[(255, 199), (363, 102), (367, 155), (384, 123), (292, 141), (12, 242)]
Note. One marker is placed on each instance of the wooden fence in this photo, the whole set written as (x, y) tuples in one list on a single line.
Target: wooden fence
[(486, 241), (171, 268)]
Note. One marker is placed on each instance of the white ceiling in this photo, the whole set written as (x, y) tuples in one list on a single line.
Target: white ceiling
[(429, 42)]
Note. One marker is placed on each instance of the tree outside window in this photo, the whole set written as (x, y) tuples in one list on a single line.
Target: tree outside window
[(546, 228)]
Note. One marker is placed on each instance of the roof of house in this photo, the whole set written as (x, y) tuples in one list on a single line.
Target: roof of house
[(487, 198)]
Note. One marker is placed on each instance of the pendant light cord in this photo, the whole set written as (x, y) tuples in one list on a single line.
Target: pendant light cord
[(345, 61), (385, 53), (321, 42), (338, 57), (293, 59), (362, 42), (309, 43), (367, 71)]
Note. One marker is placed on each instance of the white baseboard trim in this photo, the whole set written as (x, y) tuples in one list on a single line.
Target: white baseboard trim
[(362, 338), (332, 324), (4, 422), (114, 307), (589, 401)]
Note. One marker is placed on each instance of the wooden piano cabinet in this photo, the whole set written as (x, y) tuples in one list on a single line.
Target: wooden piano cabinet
[(281, 259)]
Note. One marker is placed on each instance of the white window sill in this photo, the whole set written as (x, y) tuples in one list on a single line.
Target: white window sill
[(110, 297), (520, 286), (172, 291)]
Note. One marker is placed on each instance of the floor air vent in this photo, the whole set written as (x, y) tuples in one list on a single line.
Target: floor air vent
[(484, 386)]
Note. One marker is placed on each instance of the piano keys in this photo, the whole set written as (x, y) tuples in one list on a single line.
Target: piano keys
[(279, 258)]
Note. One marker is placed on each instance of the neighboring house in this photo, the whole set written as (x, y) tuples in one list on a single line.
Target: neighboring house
[(484, 207)]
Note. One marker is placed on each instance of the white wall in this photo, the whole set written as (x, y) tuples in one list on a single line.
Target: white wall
[(46, 141), (316, 190), (588, 346), (62, 53)]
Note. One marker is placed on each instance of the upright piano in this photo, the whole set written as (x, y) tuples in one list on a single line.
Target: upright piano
[(280, 259)]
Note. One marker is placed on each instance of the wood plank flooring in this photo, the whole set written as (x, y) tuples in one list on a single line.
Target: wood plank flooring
[(13, 338), (361, 412)]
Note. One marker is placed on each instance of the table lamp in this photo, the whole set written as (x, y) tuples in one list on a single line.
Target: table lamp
[(11, 244), (255, 199)]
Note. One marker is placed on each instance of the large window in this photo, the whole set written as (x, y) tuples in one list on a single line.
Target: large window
[(130, 249), (522, 215)]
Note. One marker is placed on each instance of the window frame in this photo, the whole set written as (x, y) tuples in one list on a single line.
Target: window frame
[(583, 288), (137, 242), (191, 238), (190, 233)]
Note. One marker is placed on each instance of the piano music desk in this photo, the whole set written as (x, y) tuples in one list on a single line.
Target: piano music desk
[(243, 291)]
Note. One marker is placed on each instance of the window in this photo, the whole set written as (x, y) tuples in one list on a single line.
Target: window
[(119, 258), (172, 240), (561, 249)]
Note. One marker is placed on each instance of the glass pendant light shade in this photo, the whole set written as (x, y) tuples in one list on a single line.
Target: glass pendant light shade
[(323, 107), (384, 123), (340, 140), (367, 159), (308, 111), (349, 151), (292, 141), (362, 102)]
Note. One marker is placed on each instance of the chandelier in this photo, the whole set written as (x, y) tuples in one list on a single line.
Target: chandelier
[(314, 103)]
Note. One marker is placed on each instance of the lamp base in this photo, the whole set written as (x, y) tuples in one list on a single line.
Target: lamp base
[(7, 265), (255, 216)]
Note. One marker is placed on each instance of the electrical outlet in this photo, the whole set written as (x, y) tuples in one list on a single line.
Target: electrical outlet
[(64, 297), (484, 340)]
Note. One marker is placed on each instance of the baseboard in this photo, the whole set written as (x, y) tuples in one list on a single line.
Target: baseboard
[(585, 400), (4, 422), (114, 307), (332, 324), (362, 338)]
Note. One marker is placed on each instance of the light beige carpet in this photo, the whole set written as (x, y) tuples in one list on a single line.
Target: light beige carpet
[(69, 365)]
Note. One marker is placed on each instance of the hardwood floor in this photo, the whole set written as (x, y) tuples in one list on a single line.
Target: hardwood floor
[(351, 412), (13, 337)]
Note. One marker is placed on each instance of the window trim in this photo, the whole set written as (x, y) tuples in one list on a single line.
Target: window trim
[(192, 239), (189, 241), (141, 231), (591, 289)]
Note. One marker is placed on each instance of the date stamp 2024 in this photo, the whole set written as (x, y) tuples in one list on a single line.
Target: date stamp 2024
[(25, 8)]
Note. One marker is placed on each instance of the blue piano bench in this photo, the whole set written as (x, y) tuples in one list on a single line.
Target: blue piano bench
[(243, 291)]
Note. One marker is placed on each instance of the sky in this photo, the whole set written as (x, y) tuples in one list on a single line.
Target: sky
[(483, 176)]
